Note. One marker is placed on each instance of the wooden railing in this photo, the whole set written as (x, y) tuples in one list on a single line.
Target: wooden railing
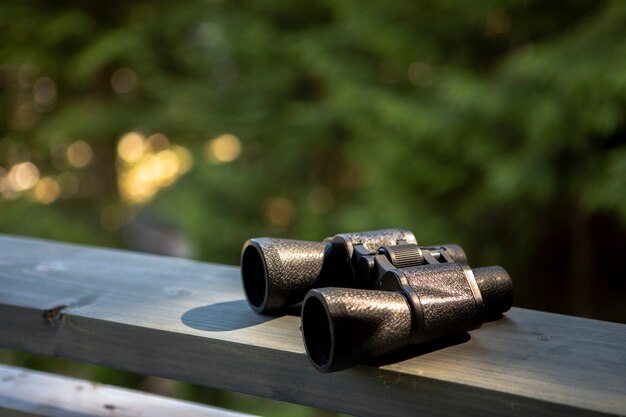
[(189, 321)]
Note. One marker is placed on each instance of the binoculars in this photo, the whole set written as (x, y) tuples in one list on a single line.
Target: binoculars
[(370, 293)]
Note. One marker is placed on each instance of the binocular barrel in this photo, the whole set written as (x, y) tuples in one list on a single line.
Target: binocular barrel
[(277, 273), (342, 327), (337, 335)]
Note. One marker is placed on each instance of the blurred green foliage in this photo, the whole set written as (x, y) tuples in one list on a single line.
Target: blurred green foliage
[(497, 124)]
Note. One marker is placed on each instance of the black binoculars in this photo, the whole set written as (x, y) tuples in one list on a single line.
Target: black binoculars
[(369, 293)]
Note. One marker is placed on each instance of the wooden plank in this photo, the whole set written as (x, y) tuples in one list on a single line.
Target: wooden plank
[(188, 321), (24, 392)]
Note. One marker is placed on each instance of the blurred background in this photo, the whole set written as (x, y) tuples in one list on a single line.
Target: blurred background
[(186, 128)]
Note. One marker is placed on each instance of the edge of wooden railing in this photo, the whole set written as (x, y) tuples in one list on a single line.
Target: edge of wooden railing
[(24, 392), (188, 321)]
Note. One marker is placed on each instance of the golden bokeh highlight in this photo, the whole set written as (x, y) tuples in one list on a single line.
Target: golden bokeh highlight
[(46, 191), (131, 147), (224, 148), (146, 165), (23, 176), (79, 154), (184, 157), (158, 142), (279, 212)]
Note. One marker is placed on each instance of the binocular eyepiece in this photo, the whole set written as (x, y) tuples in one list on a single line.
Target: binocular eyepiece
[(369, 293)]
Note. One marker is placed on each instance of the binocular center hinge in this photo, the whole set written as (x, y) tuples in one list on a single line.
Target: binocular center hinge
[(370, 267)]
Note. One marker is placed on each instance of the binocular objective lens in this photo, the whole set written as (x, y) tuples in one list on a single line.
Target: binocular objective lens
[(317, 336), (254, 275)]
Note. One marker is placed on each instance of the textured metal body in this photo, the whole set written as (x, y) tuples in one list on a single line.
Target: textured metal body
[(445, 300), (373, 240), (342, 326), (455, 252), (496, 288), (277, 273)]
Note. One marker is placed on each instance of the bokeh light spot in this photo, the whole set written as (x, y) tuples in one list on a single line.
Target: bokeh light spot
[(131, 147), (79, 154), (279, 212), (124, 81), (184, 158), (158, 142), (224, 148), (169, 163), (47, 190), (45, 92), (148, 166), (23, 176)]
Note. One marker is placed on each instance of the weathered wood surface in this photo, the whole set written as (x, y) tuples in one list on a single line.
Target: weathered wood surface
[(188, 321), (24, 392)]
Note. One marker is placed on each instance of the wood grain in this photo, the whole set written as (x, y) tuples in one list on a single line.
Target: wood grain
[(188, 321), (24, 392)]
